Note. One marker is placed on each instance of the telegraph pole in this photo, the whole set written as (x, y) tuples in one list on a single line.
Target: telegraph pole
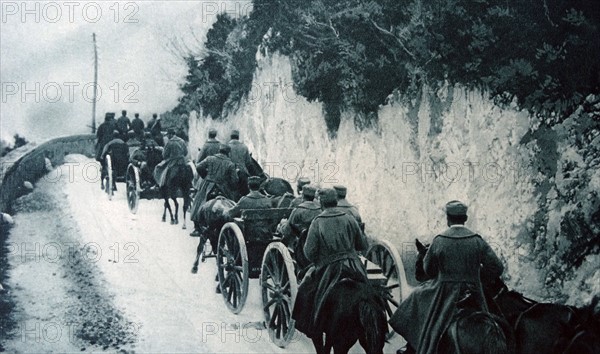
[(95, 84)]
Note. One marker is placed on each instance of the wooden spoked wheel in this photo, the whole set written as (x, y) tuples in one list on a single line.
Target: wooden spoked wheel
[(109, 177), (279, 290), (385, 255), (132, 183), (232, 263)]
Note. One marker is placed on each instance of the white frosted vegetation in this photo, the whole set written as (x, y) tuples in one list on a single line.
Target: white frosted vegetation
[(451, 144)]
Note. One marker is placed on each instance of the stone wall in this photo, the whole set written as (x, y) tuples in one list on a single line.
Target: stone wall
[(31, 166)]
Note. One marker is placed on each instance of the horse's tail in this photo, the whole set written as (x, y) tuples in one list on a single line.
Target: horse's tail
[(373, 320)]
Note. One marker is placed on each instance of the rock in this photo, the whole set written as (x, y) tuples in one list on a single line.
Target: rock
[(48, 164), (6, 219)]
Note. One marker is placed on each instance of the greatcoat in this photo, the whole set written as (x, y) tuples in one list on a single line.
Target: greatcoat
[(455, 260)]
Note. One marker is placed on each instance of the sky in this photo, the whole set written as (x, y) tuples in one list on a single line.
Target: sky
[(47, 60)]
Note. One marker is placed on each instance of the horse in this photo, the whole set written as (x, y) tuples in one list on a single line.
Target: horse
[(554, 328), (539, 327), (178, 179), (359, 317), (279, 190), (213, 215), (473, 331), (273, 187)]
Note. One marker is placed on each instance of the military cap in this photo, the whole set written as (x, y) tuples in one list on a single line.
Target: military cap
[(309, 190), (235, 133), (302, 181), (212, 131), (328, 196), (224, 149), (124, 112), (254, 181), (341, 191), (456, 208), (171, 131)]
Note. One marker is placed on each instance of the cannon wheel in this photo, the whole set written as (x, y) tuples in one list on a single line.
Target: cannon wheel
[(232, 263), (279, 290), (385, 255), (109, 177), (132, 183)]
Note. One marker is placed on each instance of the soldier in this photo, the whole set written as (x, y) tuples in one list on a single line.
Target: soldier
[(254, 199), (345, 206), (332, 245), (133, 142), (174, 153), (138, 127), (218, 172), (301, 216), (239, 154), (123, 125), (156, 130), (104, 134), (300, 198), (455, 260), (210, 147)]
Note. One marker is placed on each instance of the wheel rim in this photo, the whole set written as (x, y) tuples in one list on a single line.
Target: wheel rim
[(386, 257), (232, 263), (109, 177), (133, 188), (279, 290)]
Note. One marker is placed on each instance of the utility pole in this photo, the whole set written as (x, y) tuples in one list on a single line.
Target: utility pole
[(95, 84)]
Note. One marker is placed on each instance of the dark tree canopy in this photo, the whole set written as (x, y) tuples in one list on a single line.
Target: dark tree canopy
[(352, 54)]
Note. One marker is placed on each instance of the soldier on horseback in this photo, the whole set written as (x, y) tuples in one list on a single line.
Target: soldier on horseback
[(210, 147), (104, 134), (456, 259), (174, 154), (219, 176), (345, 206), (332, 245)]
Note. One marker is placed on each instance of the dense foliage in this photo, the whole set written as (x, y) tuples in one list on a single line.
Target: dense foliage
[(5, 147), (352, 54)]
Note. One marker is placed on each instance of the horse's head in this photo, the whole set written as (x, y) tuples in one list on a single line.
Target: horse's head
[(276, 187), (421, 248), (420, 274)]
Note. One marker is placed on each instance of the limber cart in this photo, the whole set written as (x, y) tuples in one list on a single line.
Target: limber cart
[(240, 246), (115, 165), (139, 180)]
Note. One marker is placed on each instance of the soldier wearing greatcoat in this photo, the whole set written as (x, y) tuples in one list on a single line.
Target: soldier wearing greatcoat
[(332, 245), (253, 200), (217, 171), (456, 260)]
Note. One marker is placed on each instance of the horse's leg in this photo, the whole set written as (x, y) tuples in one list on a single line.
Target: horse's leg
[(165, 206), (319, 347), (176, 220), (186, 205), (199, 251)]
